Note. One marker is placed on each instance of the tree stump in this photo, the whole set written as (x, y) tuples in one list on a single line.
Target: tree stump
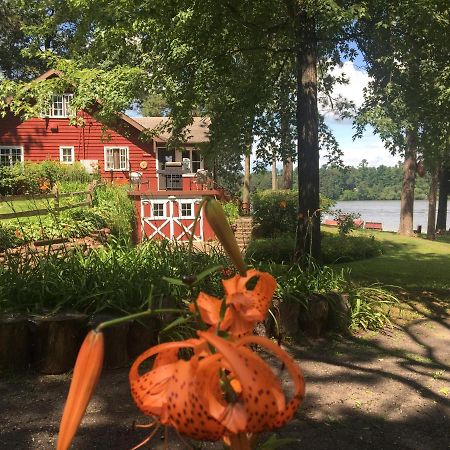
[(289, 313), (56, 341), (314, 318), (143, 334), (339, 317), (15, 352), (116, 354)]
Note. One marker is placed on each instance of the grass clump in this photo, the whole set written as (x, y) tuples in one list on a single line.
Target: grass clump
[(116, 277), (370, 307), (358, 307)]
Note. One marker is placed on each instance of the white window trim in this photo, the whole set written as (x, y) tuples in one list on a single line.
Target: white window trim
[(72, 150), (158, 202), (190, 150), (180, 208), (105, 159), (65, 106), (20, 147)]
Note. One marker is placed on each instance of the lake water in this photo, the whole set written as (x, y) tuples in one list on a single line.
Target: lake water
[(388, 212)]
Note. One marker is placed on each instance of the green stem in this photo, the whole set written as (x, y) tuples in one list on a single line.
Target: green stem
[(149, 312)]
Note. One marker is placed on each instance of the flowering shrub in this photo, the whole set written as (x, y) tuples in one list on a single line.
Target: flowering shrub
[(224, 390), (275, 212)]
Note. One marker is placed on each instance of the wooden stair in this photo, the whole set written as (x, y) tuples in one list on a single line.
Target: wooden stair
[(243, 232)]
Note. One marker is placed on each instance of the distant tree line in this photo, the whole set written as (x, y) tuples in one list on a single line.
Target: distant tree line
[(367, 183), (354, 183)]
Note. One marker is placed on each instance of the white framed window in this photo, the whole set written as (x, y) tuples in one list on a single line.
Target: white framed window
[(116, 158), (186, 210), (192, 160), (10, 155), (60, 106), (158, 210), (67, 154)]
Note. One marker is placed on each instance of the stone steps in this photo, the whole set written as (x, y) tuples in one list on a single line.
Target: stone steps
[(243, 232)]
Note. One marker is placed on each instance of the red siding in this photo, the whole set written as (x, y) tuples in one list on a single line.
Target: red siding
[(41, 139)]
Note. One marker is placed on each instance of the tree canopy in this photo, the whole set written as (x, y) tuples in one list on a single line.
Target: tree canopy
[(257, 69)]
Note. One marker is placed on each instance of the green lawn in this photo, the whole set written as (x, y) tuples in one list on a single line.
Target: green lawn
[(412, 263)]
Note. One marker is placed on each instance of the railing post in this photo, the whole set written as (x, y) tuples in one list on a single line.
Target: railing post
[(90, 193)]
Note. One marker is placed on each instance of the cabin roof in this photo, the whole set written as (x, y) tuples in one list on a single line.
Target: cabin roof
[(197, 132)]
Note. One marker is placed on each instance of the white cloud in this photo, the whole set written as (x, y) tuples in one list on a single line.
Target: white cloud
[(353, 90)]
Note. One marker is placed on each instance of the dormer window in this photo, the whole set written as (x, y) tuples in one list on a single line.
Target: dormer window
[(60, 106)]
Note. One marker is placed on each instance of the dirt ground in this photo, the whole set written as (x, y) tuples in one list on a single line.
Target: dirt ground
[(375, 391)]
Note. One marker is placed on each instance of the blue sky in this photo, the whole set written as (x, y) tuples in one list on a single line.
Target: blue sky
[(369, 147)]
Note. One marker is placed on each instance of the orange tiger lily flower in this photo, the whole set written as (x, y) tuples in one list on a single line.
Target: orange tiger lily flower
[(215, 395), (261, 404), (85, 376), (169, 390), (245, 307)]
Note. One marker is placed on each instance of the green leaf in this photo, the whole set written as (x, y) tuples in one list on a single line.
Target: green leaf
[(207, 272)]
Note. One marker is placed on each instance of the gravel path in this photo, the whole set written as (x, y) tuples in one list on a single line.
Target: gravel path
[(374, 391)]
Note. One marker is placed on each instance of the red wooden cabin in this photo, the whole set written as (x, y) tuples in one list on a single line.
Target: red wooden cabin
[(167, 184)]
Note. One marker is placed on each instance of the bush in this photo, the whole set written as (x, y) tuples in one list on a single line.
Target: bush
[(9, 237), (14, 182), (275, 212), (335, 248), (298, 284), (342, 248), (277, 249), (231, 211), (113, 203), (32, 178)]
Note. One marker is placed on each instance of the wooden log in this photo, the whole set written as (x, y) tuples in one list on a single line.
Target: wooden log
[(15, 352), (314, 317), (116, 353), (56, 341), (143, 334)]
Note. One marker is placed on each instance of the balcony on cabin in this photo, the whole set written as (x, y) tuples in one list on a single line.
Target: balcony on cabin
[(171, 177)]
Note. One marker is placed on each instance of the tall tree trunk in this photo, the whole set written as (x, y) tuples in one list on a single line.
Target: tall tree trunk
[(286, 144), (432, 199), (274, 173), (444, 186), (409, 181), (308, 231), (246, 186), (288, 173)]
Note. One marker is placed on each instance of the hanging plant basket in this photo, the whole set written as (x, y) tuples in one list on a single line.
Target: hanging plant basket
[(15, 342), (56, 341)]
